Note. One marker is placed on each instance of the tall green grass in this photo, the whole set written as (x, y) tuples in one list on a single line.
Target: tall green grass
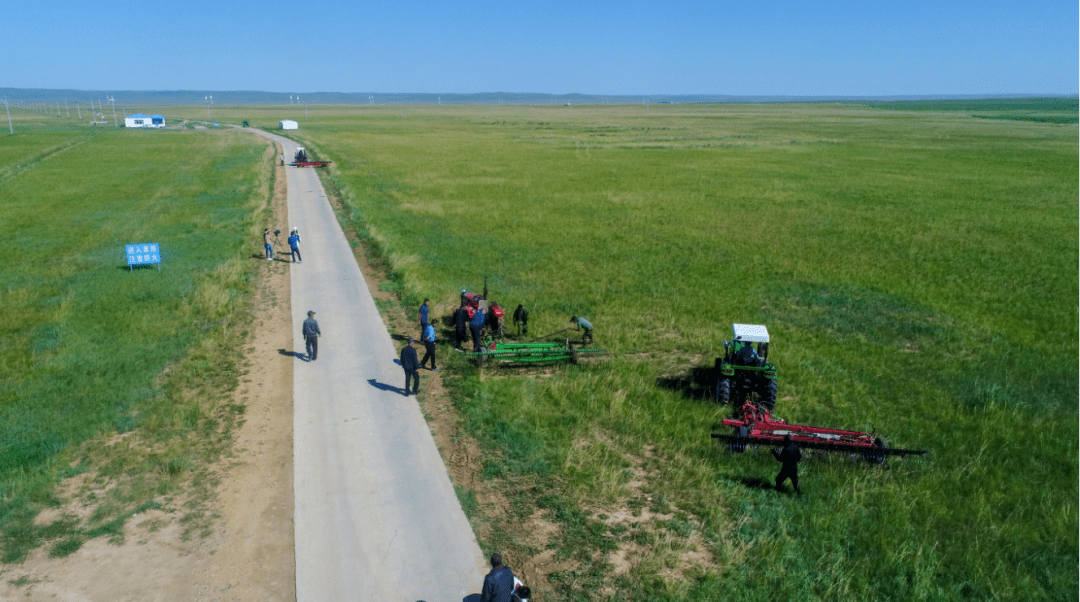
[(84, 340), (918, 274)]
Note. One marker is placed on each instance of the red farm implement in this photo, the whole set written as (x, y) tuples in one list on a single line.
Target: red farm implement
[(758, 427)]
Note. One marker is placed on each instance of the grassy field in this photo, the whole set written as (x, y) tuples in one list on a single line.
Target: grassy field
[(917, 271), (116, 374)]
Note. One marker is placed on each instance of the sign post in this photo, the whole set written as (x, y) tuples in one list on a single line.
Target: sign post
[(142, 254)]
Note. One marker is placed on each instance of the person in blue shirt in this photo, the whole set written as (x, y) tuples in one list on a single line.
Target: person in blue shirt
[(429, 345), (294, 245), (423, 319), (476, 325), (582, 323)]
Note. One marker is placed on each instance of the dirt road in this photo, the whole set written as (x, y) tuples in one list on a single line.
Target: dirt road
[(376, 517)]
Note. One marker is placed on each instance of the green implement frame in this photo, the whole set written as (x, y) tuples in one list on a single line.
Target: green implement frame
[(526, 353)]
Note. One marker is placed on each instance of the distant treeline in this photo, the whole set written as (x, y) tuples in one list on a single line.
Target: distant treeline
[(248, 97)]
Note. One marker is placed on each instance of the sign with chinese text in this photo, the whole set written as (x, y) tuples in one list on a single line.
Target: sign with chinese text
[(142, 254)]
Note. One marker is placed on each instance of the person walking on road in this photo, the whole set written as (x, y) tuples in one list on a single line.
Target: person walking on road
[(268, 245), (411, 367), (294, 245), (475, 325), (521, 320), (423, 317), (582, 323), (789, 459), (429, 345), (311, 334), (499, 583)]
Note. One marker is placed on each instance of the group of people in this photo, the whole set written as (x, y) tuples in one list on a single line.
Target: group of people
[(293, 240)]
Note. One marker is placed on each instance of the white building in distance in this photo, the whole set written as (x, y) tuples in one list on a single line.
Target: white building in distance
[(138, 120), (288, 124)]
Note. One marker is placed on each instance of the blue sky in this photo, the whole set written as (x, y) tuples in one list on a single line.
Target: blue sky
[(781, 48)]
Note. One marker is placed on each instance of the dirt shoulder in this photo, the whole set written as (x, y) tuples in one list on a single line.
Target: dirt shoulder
[(249, 552)]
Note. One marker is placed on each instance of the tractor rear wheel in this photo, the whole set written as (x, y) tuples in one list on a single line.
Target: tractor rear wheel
[(768, 395), (723, 390)]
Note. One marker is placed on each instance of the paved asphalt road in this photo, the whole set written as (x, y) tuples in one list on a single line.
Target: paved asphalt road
[(376, 515)]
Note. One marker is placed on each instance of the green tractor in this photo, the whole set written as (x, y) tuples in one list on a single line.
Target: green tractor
[(745, 372)]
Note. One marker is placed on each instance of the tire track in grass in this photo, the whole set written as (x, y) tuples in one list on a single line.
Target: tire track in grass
[(8, 172)]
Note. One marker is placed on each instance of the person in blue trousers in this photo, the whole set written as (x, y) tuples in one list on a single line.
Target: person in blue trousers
[(294, 245), (268, 245)]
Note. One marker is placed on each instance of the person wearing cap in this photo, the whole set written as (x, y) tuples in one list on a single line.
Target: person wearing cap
[(499, 583), (789, 459), (294, 245), (311, 334), (411, 367), (582, 323)]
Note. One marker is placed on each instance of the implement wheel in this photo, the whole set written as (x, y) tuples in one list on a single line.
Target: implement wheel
[(877, 456)]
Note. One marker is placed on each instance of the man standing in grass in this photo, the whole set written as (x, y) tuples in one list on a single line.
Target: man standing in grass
[(268, 245), (789, 459), (423, 318), (521, 320), (411, 367), (461, 325), (475, 325), (582, 323), (429, 345), (294, 245), (311, 334)]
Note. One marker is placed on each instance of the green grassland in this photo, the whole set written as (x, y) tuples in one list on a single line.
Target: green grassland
[(90, 349), (918, 274)]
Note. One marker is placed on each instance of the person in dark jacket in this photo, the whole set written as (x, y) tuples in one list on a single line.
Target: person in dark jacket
[(789, 459), (311, 334), (461, 327), (411, 367), (521, 320), (499, 583), (476, 325)]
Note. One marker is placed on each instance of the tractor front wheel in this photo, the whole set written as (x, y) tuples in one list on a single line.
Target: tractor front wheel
[(723, 390)]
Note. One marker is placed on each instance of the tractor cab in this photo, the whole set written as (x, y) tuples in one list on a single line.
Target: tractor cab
[(300, 156), (745, 370)]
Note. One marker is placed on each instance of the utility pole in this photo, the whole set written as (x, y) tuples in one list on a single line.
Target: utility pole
[(79, 109), (305, 111), (67, 108), (8, 117), (112, 101)]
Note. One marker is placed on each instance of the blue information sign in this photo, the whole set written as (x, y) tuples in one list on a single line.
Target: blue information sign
[(143, 253)]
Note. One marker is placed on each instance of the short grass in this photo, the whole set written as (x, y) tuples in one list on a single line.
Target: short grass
[(917, 271), (116, 373)]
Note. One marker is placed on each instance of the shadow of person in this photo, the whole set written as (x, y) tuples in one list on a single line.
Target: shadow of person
[(385, 387), (471, 598), (301, 356), (756, 483), (400, 337)]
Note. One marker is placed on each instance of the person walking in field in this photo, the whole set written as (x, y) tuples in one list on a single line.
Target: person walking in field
[(294, 245), (789, 459), (582, 323), (429, 345), (411, 367), (311, 334), (268, 245), (423, 318), (521, 320)]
